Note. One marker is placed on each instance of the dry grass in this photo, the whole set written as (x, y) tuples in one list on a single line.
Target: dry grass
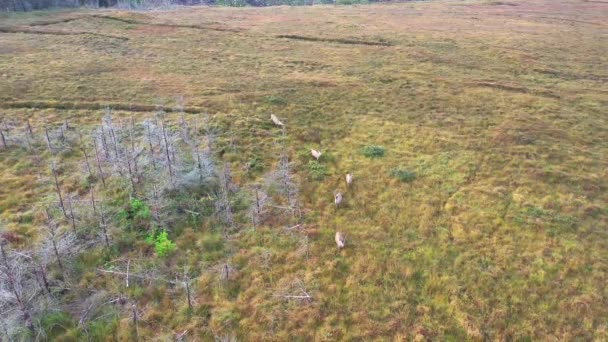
[(499, 108)]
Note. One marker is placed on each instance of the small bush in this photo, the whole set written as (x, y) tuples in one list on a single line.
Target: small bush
[(57, 325), (374, 151), (162, 245), (102, 327), (255, 165), (137, 214), (316, 170), (403, 175)]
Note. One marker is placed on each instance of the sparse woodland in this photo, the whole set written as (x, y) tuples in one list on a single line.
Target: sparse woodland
[(138, 181)]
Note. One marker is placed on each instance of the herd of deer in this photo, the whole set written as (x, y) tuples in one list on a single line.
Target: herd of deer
[(338, 196)]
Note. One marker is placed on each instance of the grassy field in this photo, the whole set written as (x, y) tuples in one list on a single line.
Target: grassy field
[(493, 112)]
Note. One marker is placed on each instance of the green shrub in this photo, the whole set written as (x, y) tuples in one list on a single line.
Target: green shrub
[(103, 329), (374, 151), (316, 170), (162, 244), (137, 214), (255, 165), (58, 325), (403, 175)]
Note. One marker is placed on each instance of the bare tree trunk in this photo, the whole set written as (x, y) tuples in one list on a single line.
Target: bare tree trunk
[(133, 156), (45, 280), (72, 217), (52, 235), (104, 143), (103, 225), (48, 139), (151, 147), (5, 331), (13, 288), (128, 267), (86, 156), (93, 200), (58, 190), (29, 129), (114, 140), (3, 139), (187, 283), (103, 179), (199, 161), (257, 201), (167, 149), (224, 193), (134, 310), (127, 157), (61, 133), (6, 128)]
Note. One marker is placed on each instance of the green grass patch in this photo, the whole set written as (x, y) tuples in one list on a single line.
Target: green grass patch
[(403, 175), (373, 151), (316, 170)]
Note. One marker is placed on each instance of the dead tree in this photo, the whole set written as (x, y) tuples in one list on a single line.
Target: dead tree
[(101, 175), (104, 143), (167, 154), (52, 235), (83, 148), (261, 199), (135, 326), (49, 144), (147, 124), (72, 216), (58, 190), (3, 139), (186, 283), (29, 129), (44, 280), (223, 204), (92, 197), (134, 154), (103, 224), (15, 285), (110, 126)]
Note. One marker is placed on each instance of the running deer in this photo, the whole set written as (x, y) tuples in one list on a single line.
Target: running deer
[(349, 179), (338, 198), (315, 153), (276, 120), (340, 240)]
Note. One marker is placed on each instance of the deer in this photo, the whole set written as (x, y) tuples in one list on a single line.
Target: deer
[(349, 179), (340, 240), (338, 198), (276, 120), (315, 153)]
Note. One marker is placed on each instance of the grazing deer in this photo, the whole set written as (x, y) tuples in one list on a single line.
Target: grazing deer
[(276, 120), (340, 240), (349, 179), (338, 198), (315, 153)]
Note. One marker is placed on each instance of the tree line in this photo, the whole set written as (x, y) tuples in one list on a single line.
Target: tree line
[(31, 5)]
